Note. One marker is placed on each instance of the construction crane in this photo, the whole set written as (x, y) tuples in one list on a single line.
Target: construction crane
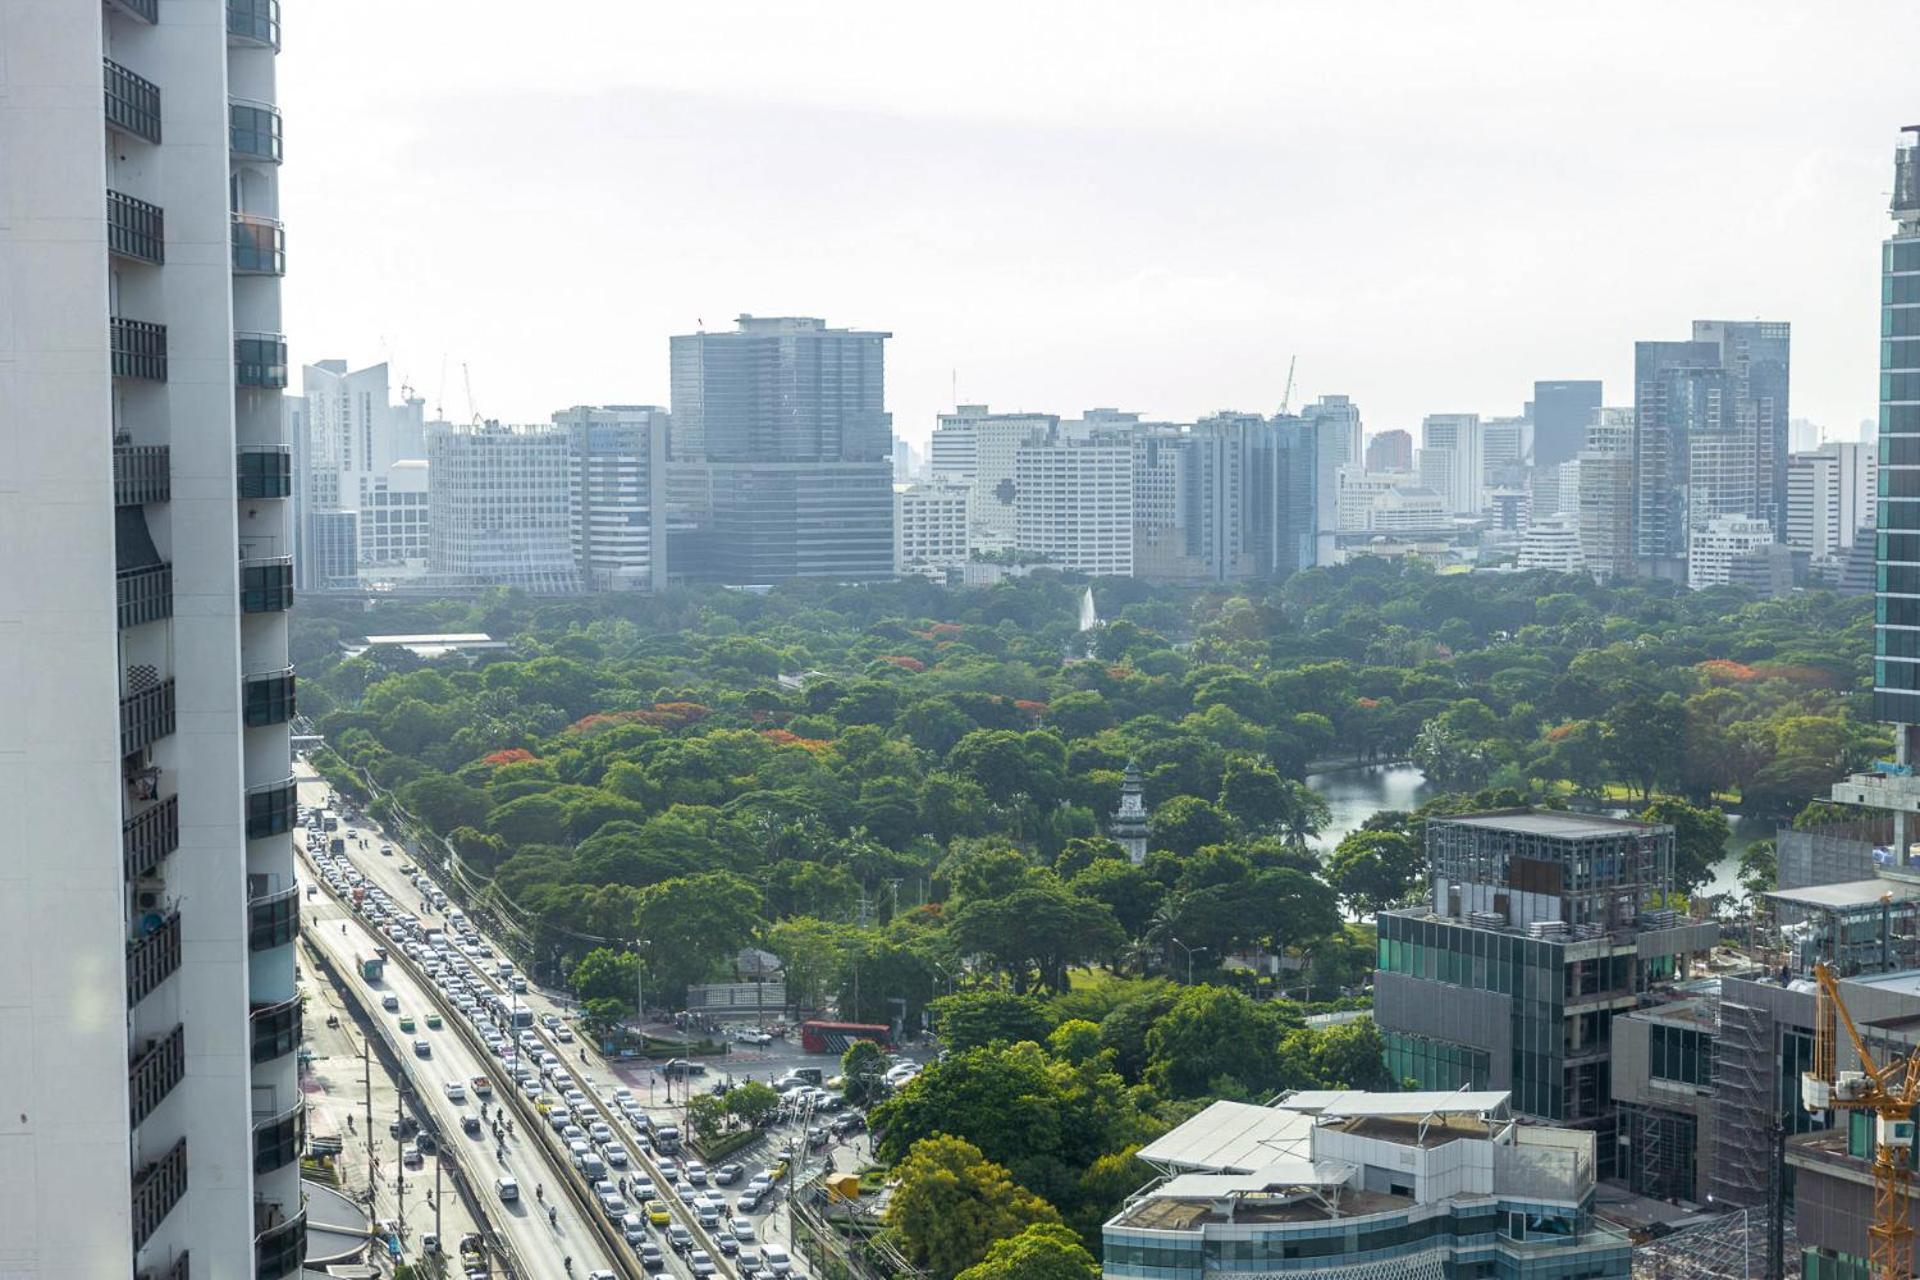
[(1890, 1091), (1286, 397)]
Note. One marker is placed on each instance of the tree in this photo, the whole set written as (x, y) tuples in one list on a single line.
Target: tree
[(1699, 839), (1209, 1035), (1187, 823), (1372, 870), (689, 925), (1348, 1056), (864, 1065), (600, 1018), (952, 1203), (1129, 892), (444, 803), (1037, 932), (604, 974), (813, 955), (754, 1103), (1759, 868), (707, 1115), (1044, 1251), (968, 1019)]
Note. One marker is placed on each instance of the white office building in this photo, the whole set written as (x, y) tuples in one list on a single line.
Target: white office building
[(1452, 460), (148, 1016), (1552, 543), (980, 447), (929, 528), (391, 531), (1075, 504), (500, 508), (1713, 547), (618, 507), (1337, 422), (1830, 496), (350, 438)]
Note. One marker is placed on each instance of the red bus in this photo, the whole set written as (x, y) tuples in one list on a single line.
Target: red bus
[(836, 1037)]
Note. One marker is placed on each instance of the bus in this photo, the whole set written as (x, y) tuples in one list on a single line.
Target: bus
[(836, 1037)]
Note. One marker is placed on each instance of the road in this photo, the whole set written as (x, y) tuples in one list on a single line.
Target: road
[(539, 1247)]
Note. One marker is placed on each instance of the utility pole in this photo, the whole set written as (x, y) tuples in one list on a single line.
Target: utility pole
[(366, 1073), (439, 1158), (400, 1155)]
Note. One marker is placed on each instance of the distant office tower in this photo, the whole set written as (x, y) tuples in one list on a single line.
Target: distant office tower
[(1803, 435), (1603, 495), (617, 505), (1552, 544), (782, 432), (351, 437), (1562, 412), (1551, 489), (1189, 502), (952, 451), (1714, 546), (1358, 493), (1710, 435), (1505, 445), (1511, 509), (1409, 508), (148, 1011), (1830, 494), (500, 508), (392, 526), (1337, 419), (1287, 481), (930, 528), (978, 446), (1075, 503), (1772, 569), (1390, 451), (1896, 684), (1453, 459), (332, 549)]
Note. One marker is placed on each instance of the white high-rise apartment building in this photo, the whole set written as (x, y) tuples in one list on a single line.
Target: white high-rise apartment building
[(1713, 547), (979, 447), (1830, 496), (1453, 459), (1553, 544), (500, 508), (148, 1016), (929, 528), (618, 505), (350, 439), (1075, 503), (1337, 421)]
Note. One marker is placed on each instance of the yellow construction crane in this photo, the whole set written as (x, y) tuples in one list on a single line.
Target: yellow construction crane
[(1890, 1092)]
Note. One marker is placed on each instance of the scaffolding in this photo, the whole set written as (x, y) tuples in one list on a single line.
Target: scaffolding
[(1743, 1066), (1734, 1246), (1603, 871)]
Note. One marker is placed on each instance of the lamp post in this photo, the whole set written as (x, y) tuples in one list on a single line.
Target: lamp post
[(1189, 950)]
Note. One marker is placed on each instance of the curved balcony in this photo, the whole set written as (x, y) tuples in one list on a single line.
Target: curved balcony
[(259, 246), (145, 595), (260, 360), (157, 1187), (142, 473), (281, 1246), (152, 959), (149, 836), (135, 229), (267, 698), (139, 349), (147, 11), (276, 1030), (146, 717), (276, 1139), (151, 1076), (253, 131), (271, 808), (266, 584), (132, 102), (254, 22), (266, 471), (273, 919)]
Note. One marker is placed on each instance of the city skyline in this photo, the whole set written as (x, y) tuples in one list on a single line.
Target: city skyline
[(1118, 238)]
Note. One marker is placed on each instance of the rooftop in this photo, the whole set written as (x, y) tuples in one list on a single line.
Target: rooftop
[(1556, 823), (1851, 895), (1232, 1137), (1164, 1210)]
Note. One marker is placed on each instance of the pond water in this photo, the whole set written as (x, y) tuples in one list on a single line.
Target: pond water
[(1354, 795)]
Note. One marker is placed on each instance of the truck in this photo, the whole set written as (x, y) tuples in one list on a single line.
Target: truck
[(359, 894), (336, 845), (373, 968), (482, 1087)]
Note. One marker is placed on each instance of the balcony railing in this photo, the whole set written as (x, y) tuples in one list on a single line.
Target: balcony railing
[(133, 102), (260, 360), (273, 919), (145, 595), (151, 960), (139, 349), (276, 1030), (148, 11), (276, 1140), (152, 1075), (266, 584), (175, 1270), (141, 473), (266, 471), (135, 229), (279, 1250), (267, 698), (271, 809), (259, 246), (156, 1189), (255, 22), (149, 836), (146, 717), (253, 131)]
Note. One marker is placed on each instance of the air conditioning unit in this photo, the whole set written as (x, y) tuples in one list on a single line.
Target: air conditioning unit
[(1893, 1133), (148, 893)]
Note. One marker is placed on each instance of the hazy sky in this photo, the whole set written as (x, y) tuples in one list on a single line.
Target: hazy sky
[(1148, 205)]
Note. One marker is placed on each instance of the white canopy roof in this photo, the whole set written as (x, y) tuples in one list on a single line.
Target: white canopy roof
[(1279, 1176), (1233, 1137), (1351, 1102)]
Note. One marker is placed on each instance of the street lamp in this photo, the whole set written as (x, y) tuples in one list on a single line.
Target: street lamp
[(1189, 950)]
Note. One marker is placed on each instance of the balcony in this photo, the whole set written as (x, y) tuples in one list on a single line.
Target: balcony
[(175, 1270), (271, 809), (266, 471), (147, 11), (145, 595), (266, 584), (156, 1189), (139, 349), (133, 103), (135, 229), (281, 1246), (276, 1139), (253, 131), (146, 716), (149, 836), (142, 473), (254, 22), (260, 360), (152, 1075), (267, 698), (273, 919), (276, 1030), (151, 960), (259, 246)]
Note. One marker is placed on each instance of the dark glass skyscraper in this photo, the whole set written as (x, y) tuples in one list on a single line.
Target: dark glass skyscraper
[(1562, 412), (1896, 679), (784, 454)]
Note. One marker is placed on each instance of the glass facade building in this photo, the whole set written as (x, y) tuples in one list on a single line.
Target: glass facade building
[(1896, 668)]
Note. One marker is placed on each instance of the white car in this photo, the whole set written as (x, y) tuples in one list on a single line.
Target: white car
[(456, 1092)]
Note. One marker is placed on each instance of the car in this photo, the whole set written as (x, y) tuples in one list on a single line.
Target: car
[(549, 1020), (709, 1216), (650, 1256), (634, 1228), (754, 1036), (386, 851), (422, 1049), (685, 1191), (742, 1227), (641, 1186), (602, 1274), (657, 1213), (700, 1262), (748, 1260), (669, 1168), (579, 1151), (616, 1155), (508, 1189), (563, 1035), (470, 1124), (456, 1092), (517, 985), (696, 1173), (390, 1002), (679, 1237), (727, 1174), (728, 1244), (613, 1206), (778, 1262), (603, 1135)]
